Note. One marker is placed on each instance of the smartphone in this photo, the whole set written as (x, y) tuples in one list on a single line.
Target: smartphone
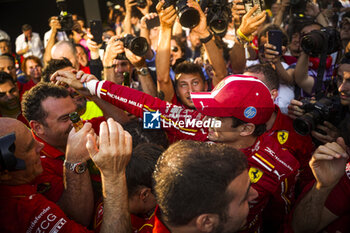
[(249, 4), (151, 23), (96, 30), (274, 37)]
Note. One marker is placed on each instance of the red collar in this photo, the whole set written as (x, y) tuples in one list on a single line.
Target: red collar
[(159, 226), (48, 150), (23, 190)]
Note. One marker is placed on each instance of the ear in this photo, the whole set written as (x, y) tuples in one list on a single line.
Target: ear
[(274, 93), (37, 127), (144, 193), (207, 222), (247, 129)]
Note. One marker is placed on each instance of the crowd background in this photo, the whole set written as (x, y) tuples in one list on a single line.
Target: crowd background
[(263, 175)]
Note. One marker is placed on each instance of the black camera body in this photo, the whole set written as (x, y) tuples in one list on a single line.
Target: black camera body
[(65, 18), (298, 6), (326, 109), (141, 3), (218, 15), (314, 42), (188, 16), (137, 45)]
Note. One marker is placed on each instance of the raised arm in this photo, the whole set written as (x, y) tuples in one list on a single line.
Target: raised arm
[(111, 155), (127, 19), (328, 166), (215, 56), (167, 18), (77, 200), (248, 26)]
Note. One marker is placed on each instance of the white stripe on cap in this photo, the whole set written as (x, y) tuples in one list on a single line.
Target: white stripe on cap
[(227, 81)]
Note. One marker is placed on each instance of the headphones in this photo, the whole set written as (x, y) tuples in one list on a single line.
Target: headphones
[(8, 161)]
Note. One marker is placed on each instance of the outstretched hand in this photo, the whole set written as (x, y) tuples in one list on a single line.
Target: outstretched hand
[(113, 152)]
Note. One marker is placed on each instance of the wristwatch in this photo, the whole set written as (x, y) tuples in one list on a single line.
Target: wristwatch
[(143, 71), (78, 168)]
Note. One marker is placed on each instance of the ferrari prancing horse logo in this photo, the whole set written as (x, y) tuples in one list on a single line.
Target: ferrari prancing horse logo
[(255, 174), (282, 136)]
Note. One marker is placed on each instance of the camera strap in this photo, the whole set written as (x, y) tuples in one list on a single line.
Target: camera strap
[(319, 92)]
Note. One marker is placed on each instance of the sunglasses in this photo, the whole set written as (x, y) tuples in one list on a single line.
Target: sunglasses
[(174, 49)]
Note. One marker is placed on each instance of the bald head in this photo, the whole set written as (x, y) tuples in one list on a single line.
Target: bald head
[(65, 49), (9, 125)]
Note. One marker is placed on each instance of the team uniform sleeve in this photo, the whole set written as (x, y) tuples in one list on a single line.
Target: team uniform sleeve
[(137, 102)]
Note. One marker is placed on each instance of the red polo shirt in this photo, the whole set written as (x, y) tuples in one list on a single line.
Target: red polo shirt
[(24, 210)]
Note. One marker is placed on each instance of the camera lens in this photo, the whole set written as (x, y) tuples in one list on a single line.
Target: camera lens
[(304, 125), (138, 46), (218, 26), (189, 17)]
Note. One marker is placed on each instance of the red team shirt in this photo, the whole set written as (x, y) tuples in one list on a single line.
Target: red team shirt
[(273, 170), (24, 210)]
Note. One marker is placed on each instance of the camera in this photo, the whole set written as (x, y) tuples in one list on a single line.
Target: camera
[(325, 109), (65, 18), (298, 6), (141, 3), (188, 16), (314, 42), (218, 16), (137, 45)]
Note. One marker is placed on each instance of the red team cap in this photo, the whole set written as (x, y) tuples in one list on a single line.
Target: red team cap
[(240, 96)]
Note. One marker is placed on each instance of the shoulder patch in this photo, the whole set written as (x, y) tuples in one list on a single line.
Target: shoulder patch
[(255, 174), (282, 136)]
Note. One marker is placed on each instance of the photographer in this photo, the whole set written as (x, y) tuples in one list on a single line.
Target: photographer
[(330, 131), (119, 69), (188, 76)]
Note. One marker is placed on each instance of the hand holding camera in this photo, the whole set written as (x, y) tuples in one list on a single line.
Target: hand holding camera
[(114, 47), (167, 15)]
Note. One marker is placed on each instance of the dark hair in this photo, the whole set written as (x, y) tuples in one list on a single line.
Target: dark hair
[(269, 27), (32, 99), (26, 27), (141, 135), (141, 166), (7, 42), (53, 66), (180, 43), (271, 79), (259, 129), (5, 77), (191, 178), (24, 63), (79, 45), (187, 67)]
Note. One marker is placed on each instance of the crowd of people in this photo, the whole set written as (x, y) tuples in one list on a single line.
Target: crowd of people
[(200, 128)]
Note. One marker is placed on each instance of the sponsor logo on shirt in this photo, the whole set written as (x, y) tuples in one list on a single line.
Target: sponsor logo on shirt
[(255, 174)]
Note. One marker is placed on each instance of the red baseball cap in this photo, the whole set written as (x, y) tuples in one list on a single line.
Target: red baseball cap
[(240, 96)]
